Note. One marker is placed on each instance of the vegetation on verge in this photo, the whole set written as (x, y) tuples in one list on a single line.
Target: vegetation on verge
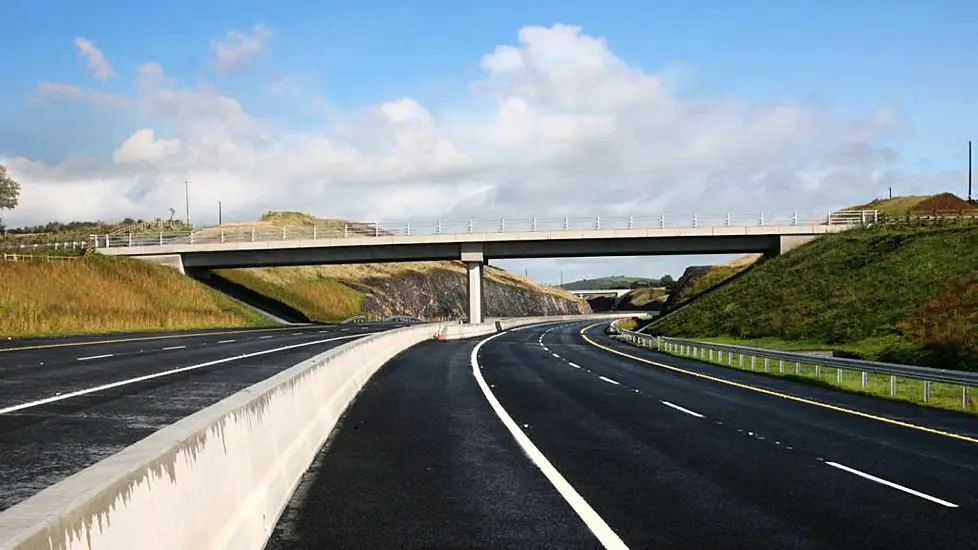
[(109, 294), (941, 396), (889, 293)]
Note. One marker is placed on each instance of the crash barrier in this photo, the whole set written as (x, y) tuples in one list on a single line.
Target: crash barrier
[(219, 478)]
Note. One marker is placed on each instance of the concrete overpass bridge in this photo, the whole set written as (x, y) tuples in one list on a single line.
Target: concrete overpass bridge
[(475, 242), (609, 292)]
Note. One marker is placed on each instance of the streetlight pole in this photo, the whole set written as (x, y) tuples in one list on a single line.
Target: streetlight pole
[(186, 192), (220, 216), (969, 170)]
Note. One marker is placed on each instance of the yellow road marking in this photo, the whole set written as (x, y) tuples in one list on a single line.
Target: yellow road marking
[(140, 339), (778, 394)]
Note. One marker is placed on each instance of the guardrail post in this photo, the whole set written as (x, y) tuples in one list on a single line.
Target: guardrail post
[(838, 375), (314, 232), (631, 221), (696, 220), (438, 228), (818, 371), (662, 221), (892, 385), (161, 239), (407, 228), (283, 233), (376, 230), (781, 366), (862, 217), (864, 378), (346, 230), (926, 391), (876, 216), (753, 362), (252, 234), (728, 219), (222, 235), (534, 226), (566, 223), (470, 225), (130, 239), (797, 367), (191, 237), (762, 218), (740, 362), (767, 364), (964, 397), (794, 218), (597, 222)]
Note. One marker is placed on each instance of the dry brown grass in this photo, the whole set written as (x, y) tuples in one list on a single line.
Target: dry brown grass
[(104, 294)]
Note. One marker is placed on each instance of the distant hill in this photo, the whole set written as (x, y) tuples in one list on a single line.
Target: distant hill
[(920, 205), (614, 281)]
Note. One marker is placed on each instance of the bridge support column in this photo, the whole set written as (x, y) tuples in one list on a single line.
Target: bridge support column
[(475, 261)]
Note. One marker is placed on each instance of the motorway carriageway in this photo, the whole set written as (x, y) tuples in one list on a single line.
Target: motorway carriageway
[(540, 437), (66, 404)]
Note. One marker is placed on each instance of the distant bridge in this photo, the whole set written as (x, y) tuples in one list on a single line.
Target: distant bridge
[(610, 292)]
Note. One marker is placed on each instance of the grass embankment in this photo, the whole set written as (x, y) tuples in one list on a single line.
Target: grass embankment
[(890, 293), (109, 294)]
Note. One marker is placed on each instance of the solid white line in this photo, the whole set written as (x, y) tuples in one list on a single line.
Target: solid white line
[(575, 365), (225, 341), (173, 347), (94, 357), (891, 484), (594, 522), (678, 408), (161, 374), (609, 380)]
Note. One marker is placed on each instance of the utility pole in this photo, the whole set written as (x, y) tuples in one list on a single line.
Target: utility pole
[(220, 216), (561, 278), (186, 192), (891, 192), (969, 170)]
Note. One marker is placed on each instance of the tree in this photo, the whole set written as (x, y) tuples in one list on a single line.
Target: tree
[(9, 192), (667, 282)]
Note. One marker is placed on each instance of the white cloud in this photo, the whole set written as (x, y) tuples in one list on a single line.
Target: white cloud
[(558, 126), (95, 58), (237, 49), (58, 90)]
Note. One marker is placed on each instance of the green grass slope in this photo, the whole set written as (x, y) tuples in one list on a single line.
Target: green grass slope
[(107, 294), (902, 294)]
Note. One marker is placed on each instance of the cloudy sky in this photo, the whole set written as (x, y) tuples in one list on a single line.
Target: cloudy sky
[(394, 111)]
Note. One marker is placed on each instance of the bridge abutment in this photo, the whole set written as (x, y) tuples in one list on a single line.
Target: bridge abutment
[(174, 261)]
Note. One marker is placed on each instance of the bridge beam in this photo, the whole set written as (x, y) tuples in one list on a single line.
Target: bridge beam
[(475, 260)]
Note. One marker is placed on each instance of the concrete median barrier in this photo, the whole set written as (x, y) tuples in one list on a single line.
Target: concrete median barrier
[(218, 479)]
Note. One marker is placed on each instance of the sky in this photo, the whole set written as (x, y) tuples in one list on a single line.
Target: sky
[(390, 111)]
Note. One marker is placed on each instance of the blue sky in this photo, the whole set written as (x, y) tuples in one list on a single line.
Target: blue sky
[(916, 59), (916, 56)]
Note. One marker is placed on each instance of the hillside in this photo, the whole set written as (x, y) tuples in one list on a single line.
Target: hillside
[(892, 293), (421, 289), (920, 205), (698, 279), (106, 294)]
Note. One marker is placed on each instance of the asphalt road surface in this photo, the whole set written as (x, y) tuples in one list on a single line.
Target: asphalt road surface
[(67, 403), (554, 442)]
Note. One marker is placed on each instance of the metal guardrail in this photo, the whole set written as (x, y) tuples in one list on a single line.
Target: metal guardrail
[(767, 360), (210, 235), (76, 245), (5, 257)]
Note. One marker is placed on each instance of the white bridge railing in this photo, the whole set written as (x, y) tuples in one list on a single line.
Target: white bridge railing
[(497, 225)]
